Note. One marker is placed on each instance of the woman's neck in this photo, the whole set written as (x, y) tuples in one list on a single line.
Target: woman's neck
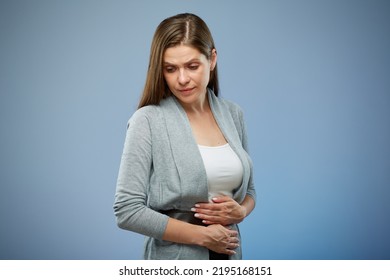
[(199, 107)]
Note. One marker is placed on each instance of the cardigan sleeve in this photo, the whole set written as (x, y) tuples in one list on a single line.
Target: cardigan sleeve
[(244, 140), (130, 204)]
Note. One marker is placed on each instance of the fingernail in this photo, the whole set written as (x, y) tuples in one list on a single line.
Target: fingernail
[(197, 205), (197, 215), (193, 209)]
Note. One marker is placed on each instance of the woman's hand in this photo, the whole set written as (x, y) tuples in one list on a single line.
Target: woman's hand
[(221, 239), (217, 238), (224, 210)]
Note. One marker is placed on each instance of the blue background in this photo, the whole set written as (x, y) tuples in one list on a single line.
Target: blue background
[(312, 78)]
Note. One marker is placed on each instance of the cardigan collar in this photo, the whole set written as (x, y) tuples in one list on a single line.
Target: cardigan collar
[(192, 172)]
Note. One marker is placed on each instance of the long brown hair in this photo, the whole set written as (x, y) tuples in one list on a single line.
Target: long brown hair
[(187, 29)]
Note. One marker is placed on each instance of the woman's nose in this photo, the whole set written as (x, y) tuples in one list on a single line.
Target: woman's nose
[(183, 77)]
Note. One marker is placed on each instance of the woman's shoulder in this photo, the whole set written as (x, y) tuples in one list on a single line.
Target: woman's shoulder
[(144, 115), (148, 111), (153, 110), (152, 113)]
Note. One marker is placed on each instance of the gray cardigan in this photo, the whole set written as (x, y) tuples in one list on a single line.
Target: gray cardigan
[(161, 169)]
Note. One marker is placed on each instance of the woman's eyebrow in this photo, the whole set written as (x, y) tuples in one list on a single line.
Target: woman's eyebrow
[(185, 63)]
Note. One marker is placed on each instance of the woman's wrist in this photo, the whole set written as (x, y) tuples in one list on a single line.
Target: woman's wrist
[(247, 206), (199, 235), (244, 211)]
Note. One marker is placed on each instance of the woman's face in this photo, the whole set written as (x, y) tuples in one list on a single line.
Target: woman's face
[(187, 73)]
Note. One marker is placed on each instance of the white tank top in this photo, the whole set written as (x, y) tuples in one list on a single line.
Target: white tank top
[(223, 168)]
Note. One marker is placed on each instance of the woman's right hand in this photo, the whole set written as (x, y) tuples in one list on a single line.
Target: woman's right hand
[(221, 239)]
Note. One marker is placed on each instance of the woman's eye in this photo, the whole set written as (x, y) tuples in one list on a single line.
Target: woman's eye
[(170, 69), (193, 67)]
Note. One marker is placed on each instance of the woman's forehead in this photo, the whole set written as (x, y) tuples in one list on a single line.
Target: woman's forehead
[(182, 54)]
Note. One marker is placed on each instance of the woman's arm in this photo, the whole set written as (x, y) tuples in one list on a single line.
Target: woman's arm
[(130, 205), (224, 210), (131, 195)]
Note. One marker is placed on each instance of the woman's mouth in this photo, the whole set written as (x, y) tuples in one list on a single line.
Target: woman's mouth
[(186, 90)]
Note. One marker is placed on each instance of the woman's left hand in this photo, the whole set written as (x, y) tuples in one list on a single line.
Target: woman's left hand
[(223, 210)]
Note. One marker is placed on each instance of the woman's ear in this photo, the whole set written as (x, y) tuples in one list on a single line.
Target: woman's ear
[(213, 59)]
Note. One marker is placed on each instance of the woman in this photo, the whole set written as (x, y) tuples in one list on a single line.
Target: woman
[(185, 179)]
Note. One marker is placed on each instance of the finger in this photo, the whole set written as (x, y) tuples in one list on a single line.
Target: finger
[(233, 246), (233, 233), (234, 240), (205, 206), (220, 199), (233, 243), (229, 252), (209, 220), (230, 249), (211, 215), (206, 214), (209, 212)]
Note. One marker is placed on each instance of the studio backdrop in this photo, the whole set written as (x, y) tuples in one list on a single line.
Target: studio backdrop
[(312, 78)]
